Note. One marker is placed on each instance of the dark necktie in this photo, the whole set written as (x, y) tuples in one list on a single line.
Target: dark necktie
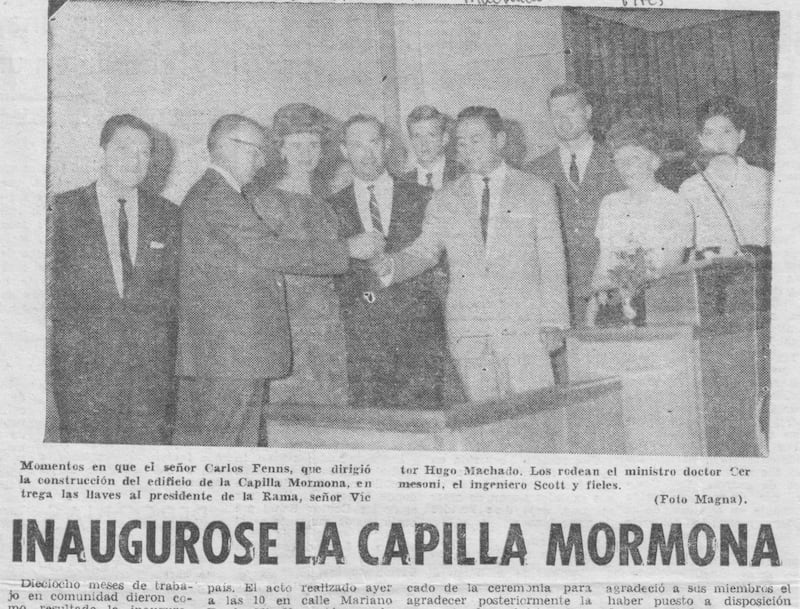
[(485, 209), (124, 250), (429, 179), (574, 174), (250, 202), (374, 211)]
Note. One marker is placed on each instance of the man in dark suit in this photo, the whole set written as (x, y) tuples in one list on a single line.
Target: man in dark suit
[(113, 297), (428, 134), (234, 327), (395, 337), (583, 172)]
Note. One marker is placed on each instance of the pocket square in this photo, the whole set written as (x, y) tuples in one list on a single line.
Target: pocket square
[(156, 245)]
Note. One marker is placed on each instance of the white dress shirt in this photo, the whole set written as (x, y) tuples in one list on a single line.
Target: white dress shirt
[(582, 152), (384, 192), (108, 200), (496, 180), (233, 182), (436, 168)]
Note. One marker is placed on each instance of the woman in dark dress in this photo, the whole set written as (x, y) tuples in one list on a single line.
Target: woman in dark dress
[(319, 368)]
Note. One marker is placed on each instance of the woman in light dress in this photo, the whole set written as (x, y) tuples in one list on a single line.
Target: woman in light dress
[(645, 219), (731, 199)]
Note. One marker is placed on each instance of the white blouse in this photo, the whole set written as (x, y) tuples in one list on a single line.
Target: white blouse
[(661, 224), (748, 200)]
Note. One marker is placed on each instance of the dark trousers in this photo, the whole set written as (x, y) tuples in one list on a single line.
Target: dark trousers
[(221, 412), (113, 381)]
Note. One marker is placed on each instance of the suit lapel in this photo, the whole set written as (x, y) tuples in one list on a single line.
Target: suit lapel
[(354, 223), (146, 222), (396, 218), (592, 168)]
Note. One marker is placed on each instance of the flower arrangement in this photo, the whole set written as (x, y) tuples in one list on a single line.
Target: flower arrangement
[(631, 276)]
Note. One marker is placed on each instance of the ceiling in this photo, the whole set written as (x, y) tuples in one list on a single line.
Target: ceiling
[(661, 20)]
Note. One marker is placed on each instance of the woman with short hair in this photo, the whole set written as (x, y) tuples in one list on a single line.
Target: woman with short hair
[(302, 135), (731, 199), (642, 229)]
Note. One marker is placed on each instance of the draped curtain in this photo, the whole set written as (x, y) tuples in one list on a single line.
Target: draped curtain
[(664, 68)]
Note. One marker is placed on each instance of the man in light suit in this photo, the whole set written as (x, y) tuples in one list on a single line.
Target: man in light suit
[(427, 132), (113, 298), (234, 327), (500, 229), (395, 337), (583, 172)]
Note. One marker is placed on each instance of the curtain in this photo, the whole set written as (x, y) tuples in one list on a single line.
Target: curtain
[(666, 73)]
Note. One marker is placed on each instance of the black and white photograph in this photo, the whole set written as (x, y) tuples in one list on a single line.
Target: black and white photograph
[(410, 227)]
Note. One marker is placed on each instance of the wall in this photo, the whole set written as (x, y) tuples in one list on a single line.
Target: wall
[(179, 65), (457, 56)]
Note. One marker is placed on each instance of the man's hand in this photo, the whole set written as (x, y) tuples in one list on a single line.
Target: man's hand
[(552, 338), (382, 266), (366, 246)]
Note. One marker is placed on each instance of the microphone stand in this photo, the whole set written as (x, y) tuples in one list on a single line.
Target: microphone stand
[(721, 204)]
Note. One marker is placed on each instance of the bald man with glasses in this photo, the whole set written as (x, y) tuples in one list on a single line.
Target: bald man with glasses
[(233, 332)]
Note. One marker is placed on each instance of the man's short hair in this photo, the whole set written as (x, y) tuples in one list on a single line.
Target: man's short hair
[(125, 120), (358, 119), (489, 115), (426, 113), (722, 105), (569, 89), (227, 123)]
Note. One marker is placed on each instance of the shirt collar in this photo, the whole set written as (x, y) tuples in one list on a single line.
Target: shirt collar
[(382, 181), (436, 167), (107, 196), (582, 151), (232, 182), (497, 175)]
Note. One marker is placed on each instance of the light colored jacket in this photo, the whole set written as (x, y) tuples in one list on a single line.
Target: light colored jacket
[(514, 285)]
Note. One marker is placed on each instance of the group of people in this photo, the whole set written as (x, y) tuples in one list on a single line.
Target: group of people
[(452, 282)]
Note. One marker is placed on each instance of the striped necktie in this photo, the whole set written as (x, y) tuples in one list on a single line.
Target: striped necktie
[(574, 174), (485, 210), (374, 210)]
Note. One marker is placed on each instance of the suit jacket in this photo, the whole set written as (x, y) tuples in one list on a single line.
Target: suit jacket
[(232, 300), (401, 328), (452, 169), (516, 283), (110, 353), (578, 212)]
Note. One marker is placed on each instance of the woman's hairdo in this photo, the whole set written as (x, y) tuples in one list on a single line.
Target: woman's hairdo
[(298, 118), (633, 132), (722, 105)]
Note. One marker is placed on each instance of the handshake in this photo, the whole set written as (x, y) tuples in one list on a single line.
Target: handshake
[(370, 246), (366, 246)]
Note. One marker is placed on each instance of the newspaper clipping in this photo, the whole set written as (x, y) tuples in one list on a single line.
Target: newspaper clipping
[(457, 304)]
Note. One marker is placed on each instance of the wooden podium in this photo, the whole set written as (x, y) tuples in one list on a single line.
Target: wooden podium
[(695, 379), (578, 418)]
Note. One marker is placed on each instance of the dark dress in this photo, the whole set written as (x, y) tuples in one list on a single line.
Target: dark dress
[(319, 359)]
